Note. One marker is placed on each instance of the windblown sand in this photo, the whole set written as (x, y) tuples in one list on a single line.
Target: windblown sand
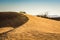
[(36, 28)]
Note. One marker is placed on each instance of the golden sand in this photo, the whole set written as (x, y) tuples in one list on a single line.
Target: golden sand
[(36, 28)]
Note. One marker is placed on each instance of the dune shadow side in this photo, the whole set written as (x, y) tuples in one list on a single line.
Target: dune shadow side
[(12, 19)]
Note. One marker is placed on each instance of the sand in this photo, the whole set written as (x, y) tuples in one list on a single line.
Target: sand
[(36, 28), (40, 24)]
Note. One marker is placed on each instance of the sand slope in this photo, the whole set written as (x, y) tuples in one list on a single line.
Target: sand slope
[(36, 28), (40, 24)]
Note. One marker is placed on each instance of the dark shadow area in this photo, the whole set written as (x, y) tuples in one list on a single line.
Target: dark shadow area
[(12, 19)]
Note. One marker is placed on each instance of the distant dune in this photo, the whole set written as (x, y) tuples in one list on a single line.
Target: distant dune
[(36, 28)]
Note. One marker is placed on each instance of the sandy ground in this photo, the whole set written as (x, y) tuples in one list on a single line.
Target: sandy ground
[(40, 24), (36, 28)]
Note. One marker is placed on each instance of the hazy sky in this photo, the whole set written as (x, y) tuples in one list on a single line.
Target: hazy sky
[(31, 6)]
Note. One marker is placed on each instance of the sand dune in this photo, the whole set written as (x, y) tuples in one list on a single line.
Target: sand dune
[(40, 24), (36, 28)]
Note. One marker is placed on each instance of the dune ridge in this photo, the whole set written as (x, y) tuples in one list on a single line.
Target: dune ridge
[(41, 24)]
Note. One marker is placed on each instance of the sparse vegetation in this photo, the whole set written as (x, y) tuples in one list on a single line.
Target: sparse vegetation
[(45, 16), (22, 12)]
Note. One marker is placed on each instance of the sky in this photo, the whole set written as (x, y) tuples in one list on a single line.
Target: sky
[(32, 7)]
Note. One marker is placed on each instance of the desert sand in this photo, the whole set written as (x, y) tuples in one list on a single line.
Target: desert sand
[(36, 28)]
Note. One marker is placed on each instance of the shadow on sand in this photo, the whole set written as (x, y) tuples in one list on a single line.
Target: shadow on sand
[(12, 19)]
